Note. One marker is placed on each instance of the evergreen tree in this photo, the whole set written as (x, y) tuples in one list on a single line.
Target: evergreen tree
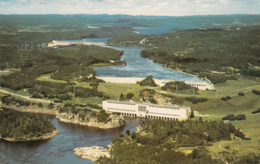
[(192, 114), (121, 97)]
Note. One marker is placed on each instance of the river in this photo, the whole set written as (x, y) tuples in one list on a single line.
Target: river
[(138, 66), (60, 148)]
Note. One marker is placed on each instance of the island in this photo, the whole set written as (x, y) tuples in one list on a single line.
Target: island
[(16, 126)]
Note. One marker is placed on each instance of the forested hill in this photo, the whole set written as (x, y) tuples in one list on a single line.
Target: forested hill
[(157, 141), (234, 51), (20, 126), (37, 29), (61, 63), (54, 20)]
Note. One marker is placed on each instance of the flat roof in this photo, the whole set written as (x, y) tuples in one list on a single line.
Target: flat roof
[(150, 104)]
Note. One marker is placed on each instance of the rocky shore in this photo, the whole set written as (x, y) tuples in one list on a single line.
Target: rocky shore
[(113, 121), (92, 153), (44, 137)]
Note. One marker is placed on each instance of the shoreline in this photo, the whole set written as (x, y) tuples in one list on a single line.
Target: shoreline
[(54, 112), (101, 125), (92, 153), (44, 137), (179, 71), (107, 66)]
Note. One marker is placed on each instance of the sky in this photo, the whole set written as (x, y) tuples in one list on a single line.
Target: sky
[(131, 7)]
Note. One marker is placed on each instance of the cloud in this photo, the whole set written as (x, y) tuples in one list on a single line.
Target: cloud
[(130, 7)]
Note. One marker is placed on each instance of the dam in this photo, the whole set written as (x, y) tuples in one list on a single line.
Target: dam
[(56, 43), (202, 85)]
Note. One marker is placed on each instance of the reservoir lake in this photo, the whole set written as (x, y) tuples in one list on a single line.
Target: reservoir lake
[(138, 66)]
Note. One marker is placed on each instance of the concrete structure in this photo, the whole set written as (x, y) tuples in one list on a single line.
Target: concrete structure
[(202, 85), (147, 110), (56, 43)]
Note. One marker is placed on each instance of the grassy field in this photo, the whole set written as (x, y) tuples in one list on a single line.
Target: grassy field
[(25, 98), (47, 77), (101, 65), (237, 105), (213, 109), (8, 71), (19, 92), (91, 100), (250, 127), (229, 88), (114, 90)]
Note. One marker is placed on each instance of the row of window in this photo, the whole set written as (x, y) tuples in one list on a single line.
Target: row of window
[(112, 102), (153, 106), (203, 85), (165, 114), (126, 110)]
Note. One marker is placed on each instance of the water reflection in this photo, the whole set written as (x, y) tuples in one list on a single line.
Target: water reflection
[(60, 148)]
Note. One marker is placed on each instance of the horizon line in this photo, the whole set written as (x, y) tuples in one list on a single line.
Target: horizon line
[(132, 15)]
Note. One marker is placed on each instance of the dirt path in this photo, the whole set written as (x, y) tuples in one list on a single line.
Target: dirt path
[(26, 97), (246, 89)]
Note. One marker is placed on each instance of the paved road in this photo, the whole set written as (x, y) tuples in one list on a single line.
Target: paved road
[(26, 97)]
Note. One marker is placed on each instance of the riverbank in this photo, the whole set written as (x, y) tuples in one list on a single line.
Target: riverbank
[(113, 121), (44, 137)]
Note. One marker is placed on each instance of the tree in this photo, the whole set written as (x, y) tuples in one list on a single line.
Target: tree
[(201, 120), (129, 95), (40, 105), (148, 81), (121, 97), (51, 106), (133, 135), (192, 114), (128, 132)]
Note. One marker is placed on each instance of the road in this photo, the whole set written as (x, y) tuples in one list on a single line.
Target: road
[(26, 97)]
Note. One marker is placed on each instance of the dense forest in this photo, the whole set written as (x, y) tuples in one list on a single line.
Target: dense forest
[(22, 126), (60, 63), (231, 52), (157, 142)]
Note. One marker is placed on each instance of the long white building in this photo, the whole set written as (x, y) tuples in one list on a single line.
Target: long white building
[(56, 43), (147, 110), (202, 85)]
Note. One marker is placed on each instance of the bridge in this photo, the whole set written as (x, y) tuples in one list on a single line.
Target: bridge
[(56, 43)]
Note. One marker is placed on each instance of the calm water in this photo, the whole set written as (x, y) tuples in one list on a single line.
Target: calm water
[(60, 148), (138, 66)]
